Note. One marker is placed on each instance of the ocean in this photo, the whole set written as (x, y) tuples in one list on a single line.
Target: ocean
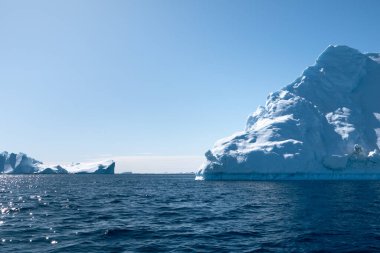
[(175, 213)]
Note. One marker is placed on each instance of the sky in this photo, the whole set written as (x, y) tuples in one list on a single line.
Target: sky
[(154, 84)]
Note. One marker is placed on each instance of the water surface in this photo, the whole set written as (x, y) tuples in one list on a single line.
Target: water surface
[(154, 213)]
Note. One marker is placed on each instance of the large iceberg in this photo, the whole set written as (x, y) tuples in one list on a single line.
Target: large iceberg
[(324, 125), (12, 163)]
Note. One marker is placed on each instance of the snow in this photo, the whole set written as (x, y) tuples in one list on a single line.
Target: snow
[(326, 124), (340, 120), (91, 167), (11, 163)]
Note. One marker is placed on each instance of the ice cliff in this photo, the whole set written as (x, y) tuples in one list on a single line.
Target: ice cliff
[(324, 125), (11, 163)]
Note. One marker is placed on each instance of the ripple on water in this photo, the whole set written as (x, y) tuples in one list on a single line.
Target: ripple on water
[(94, 213)]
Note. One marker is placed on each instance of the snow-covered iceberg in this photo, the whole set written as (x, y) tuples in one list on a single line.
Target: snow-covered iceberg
[(324, 125), (11, 163)]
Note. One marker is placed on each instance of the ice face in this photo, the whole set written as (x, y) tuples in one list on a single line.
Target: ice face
[(312, 125)]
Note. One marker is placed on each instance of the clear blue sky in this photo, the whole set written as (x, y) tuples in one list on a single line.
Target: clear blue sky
[(86, 79)]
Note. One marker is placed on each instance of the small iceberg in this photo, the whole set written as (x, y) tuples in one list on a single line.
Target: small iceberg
[(12, 163)]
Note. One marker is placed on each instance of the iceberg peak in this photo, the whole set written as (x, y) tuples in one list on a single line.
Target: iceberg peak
[(338, 67), (338, 53)]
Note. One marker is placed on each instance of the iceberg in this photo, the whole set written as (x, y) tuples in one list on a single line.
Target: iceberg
[(324, 125), (12, 163)]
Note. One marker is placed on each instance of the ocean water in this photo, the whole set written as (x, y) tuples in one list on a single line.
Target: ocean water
[(174, 213)]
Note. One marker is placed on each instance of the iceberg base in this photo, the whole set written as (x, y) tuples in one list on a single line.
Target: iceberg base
[(289, 176)]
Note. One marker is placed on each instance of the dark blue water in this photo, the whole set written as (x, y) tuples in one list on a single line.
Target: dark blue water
[(153, 213)]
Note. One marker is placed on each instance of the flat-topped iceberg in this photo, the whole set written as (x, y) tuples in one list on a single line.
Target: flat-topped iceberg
[(11, 163), (324, 125)]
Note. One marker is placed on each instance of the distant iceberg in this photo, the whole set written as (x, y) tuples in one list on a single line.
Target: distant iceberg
[(11, 163), (324, 125)]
